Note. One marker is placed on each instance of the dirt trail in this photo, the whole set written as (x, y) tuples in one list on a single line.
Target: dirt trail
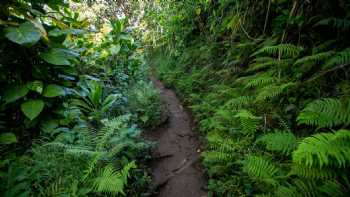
[(176, 167)]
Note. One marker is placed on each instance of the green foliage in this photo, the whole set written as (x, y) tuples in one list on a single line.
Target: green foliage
[(111, 181), (65, 127), (92, 102), (339, 59), (283, 142), (335, 22), (249, 123), (282, 50), (260, 169), (313, 172), (221, 149), (326, 112), (324, 149), (315, 58), (14, 93), (272, 91), (26, 34), (32, 108), (8, 138), (242, 67), (260, 81), (146, 104), (57, 56), (53, 90)]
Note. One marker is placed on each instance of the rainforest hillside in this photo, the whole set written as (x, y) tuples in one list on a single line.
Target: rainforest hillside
[(268, 82)]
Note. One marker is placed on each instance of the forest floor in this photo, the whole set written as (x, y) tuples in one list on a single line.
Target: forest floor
[(176, 167)]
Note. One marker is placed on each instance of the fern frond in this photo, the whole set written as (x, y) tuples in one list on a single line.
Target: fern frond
[(221, 143), (272, 62), (312, 173), (249, 122), (285, 50), (260, 80), (91, 166), (112, 181), (284, 142), (78, 151), (339, 59), (315, 58), (307, 188), (324, 149), (283, 191), (110, 128), (239, 102), (263, 59), (339, 23), (324, 46), (326, 112), (331, 188), (261, 169), (272, 91)]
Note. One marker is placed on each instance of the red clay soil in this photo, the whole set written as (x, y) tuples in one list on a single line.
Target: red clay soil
[(176, 168)]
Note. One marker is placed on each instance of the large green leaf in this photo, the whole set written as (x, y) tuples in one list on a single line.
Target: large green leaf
[(53, 90), (32, 108), (8, 138), (58, 56), (25, 34), (36, 86), (14, 93)]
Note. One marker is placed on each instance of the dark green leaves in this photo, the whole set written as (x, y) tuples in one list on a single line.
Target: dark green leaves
[(25, 34), (53, 90), (14, 93), (57, 56), (8, 138), (32, 108), (36, 86)]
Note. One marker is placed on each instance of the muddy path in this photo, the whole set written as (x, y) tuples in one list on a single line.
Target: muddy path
[(176, 168)]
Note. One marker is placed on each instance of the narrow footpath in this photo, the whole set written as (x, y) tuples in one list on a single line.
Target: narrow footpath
[(176, 168)]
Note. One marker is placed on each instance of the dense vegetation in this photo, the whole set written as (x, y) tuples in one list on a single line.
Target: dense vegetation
[(268, 82), (74, 98)]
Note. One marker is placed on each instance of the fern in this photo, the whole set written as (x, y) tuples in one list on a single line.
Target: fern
[(326, 112), (324, 149), (249, 122), (340, 58), (222, 148), (331, 188), (260, 80), (272, 91), (284, 50), (111, 128), (284, 142), (261, 169), (111, 181), (77, 151), (315, 58), (272, 62), (307, 188), (324, 46), (283, 191), (312, 173), (335, 22), (239, 102), (223, 144)]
